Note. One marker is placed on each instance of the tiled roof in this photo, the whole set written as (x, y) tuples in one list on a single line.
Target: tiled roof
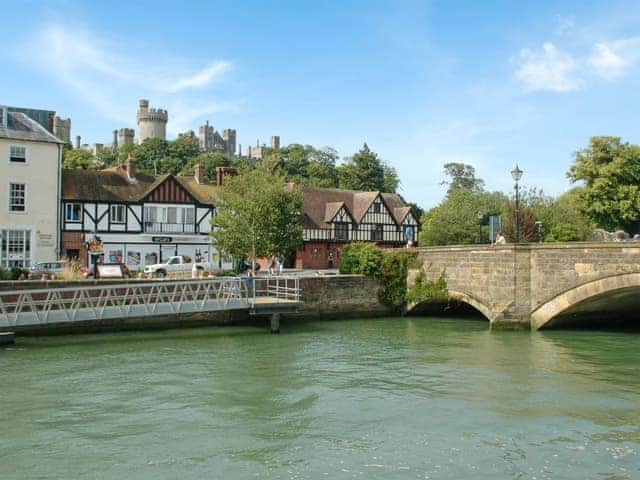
[(320, 205), (21, 127), (113, 185)]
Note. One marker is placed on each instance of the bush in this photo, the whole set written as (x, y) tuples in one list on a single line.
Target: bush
[(422, 291), (389, 266), (14, 274), (362, 258)]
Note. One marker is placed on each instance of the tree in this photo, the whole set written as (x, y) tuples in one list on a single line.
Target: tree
[(79, 159), (258, 216), (365, 171), (210, 161), (610, 171), (462, 176), (455, 221), (150, 153)]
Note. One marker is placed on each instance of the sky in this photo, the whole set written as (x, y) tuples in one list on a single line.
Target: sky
[(490, 83)]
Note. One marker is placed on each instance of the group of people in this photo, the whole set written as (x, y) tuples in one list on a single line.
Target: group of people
[(275, 264)]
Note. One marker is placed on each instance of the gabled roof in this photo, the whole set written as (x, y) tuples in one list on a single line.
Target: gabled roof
[(113, 185), (321, 205), (20, 127)]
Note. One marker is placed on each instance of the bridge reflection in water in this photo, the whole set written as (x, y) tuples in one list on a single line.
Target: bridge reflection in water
[(95, 303)]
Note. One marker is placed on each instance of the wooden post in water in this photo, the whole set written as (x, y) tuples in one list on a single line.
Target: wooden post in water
[(275, 323)]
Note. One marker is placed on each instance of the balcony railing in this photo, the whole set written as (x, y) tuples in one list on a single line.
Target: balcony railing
[(156, 227)]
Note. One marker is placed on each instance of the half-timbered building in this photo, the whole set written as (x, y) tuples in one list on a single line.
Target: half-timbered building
[(334, 218), (140, 219)]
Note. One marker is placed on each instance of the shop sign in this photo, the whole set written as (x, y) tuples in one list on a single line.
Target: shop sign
[(162, 239)]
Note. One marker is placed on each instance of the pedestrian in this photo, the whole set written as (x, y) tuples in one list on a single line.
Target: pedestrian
[(330, 259), (280, 263), (272, 264), (500, 240)]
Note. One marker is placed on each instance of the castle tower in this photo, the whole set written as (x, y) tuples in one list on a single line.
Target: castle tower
[(125, 135), (229, 137), (152, 122), (62, 129), (275, 143), (114, 142), (205, 136)]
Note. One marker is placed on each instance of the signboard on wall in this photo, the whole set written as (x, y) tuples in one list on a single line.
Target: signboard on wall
[(162, 239), (109, 271)]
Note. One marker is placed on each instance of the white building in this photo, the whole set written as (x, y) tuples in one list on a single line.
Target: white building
[(140, 219), (30, 161)]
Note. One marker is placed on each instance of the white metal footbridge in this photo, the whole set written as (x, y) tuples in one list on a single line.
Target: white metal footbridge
[(46, 306)]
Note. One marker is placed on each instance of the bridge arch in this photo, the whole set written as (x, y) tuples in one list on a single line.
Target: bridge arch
[(561, 303), (464, 298)]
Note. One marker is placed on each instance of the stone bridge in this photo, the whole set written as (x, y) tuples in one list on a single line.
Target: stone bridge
[(539, 285)]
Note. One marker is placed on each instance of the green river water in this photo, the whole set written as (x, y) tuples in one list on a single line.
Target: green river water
[(383, 399)]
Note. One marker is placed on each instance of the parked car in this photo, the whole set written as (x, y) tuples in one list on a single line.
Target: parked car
[(176, 264), (115, 270), (47, 268)]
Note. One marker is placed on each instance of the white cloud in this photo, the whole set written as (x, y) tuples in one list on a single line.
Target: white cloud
[(548, 69), (612, 60), (202, 78), (107, 76)]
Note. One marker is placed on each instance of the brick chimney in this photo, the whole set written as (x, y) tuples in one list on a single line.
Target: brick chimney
[(222, 172), (130, 167), (199, 174)]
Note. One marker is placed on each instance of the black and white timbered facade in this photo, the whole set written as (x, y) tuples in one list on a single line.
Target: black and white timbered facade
[(140, 219), (336, 217)]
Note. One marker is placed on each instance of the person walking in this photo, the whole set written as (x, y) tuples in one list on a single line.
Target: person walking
[(280, 263), (272, 264)]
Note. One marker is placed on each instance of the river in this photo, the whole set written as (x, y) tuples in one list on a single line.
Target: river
[(383, 399)]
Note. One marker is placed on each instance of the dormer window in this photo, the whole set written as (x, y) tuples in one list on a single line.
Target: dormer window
[(17, 154)]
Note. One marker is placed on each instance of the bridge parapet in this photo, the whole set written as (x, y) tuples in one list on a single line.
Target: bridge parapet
[(511, 282)]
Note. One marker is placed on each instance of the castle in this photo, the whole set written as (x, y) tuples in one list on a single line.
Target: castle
[(152, 123)]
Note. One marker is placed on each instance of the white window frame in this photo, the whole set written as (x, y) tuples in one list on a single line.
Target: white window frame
[(17, 162), (66, 212), (27, 253), (24, 199), (117, 219)]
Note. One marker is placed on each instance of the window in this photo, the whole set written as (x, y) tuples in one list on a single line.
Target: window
[(376, 207), (117, 213), (15, 248), (376, 233), (342, 231), (189, 215), (17, 197), (72, 212), (17, 154), (172, 215)]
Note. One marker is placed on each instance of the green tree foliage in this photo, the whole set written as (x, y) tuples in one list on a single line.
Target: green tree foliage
[(390, 267), (79, 159), (150, 154), (365, 171), (258, 216), (455, 220), (462, 177), (610, 170)]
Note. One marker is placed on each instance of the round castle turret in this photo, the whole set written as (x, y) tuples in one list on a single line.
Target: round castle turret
[(152, 122)]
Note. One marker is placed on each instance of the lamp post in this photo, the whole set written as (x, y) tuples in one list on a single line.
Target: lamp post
[(516, 173), (480, 217)]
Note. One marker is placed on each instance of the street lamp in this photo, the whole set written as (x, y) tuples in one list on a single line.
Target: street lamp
[(480, 217), (516, 173)]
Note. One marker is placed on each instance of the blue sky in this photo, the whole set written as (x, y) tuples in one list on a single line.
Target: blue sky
[(423, 83)]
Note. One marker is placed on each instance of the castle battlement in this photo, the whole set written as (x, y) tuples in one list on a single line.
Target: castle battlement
[(152, 122)]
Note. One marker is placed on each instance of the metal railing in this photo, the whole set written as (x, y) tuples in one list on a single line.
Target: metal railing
[(131, 300), (157, 227), (281, 288)]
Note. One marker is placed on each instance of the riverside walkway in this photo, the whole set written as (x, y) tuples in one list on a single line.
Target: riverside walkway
[(94, 303)]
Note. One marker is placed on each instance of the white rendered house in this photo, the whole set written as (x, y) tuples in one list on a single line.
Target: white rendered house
[(30, 161)]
